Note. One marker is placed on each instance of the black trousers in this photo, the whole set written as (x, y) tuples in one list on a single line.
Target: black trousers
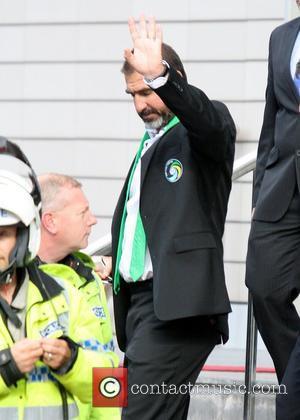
[(273, 277), (288, 400), (163, 358)]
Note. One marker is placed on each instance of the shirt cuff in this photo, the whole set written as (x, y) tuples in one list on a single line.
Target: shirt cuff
[(158, 82)]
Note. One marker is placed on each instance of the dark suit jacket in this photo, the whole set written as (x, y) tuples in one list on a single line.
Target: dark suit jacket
[(279, 144), (184, 220)]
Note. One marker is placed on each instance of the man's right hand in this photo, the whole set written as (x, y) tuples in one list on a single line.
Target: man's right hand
[(26, 353), (146, 56), (104, 267)]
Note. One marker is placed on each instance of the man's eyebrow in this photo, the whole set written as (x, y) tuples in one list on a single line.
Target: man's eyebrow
[(144, 90)]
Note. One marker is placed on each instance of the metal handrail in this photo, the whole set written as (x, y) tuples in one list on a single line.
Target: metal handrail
[(102, 246)]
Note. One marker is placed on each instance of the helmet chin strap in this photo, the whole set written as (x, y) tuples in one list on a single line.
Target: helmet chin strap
[(6, 275), (17, 256)]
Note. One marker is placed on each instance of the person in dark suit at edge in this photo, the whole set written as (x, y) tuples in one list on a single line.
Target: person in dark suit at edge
[(273, 259), (273, 252), (273, 269), (170, 298)]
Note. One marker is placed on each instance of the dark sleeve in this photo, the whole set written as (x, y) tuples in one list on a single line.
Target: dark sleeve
[(266, 140), (209, 123)]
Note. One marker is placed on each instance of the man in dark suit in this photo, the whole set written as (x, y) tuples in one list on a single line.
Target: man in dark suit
[(170, 297), (273, 260)]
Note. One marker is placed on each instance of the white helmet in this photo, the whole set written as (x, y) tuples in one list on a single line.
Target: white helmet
[(20, 205)]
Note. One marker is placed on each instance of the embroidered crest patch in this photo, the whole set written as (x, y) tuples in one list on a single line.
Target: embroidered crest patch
[(173, 170), (98, 312)]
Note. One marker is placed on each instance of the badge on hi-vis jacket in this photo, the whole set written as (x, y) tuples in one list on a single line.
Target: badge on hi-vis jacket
[(173, 170)]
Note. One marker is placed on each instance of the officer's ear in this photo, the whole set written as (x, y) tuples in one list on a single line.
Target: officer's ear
[(49, 223)]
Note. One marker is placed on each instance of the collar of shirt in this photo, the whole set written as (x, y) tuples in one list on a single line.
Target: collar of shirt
[(154, 136), (19, 301)]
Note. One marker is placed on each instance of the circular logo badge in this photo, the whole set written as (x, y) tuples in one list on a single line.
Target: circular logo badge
[(173, 170), (109, 387)]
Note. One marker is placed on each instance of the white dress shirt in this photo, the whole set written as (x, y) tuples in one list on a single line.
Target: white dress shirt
[(132, 208), (295, 56)]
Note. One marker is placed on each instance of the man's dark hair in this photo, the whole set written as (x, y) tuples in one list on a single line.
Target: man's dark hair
[(168, 54)]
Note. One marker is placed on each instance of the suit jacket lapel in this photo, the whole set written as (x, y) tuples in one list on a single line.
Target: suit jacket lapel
[(288, 44), (146, 159)]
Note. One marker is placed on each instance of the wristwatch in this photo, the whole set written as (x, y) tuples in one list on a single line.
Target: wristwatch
[(163, 75)]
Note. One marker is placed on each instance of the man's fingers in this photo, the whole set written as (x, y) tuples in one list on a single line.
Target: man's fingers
[(55, 346), (152, 28), (133, 29), (143, 27), (35, 354)]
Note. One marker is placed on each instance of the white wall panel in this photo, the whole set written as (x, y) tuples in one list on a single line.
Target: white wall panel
[(248, 117), (100, 229), (102, 194), (233, 40), (235, 81), (239, 206), (100, 119), (235, 241), (235, 282), (78, 158), (90, 10)]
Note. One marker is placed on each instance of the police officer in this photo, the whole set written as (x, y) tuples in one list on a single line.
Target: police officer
[(66, 224), (42, 366)]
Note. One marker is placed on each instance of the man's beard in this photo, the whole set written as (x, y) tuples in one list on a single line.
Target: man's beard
[(162, 118)]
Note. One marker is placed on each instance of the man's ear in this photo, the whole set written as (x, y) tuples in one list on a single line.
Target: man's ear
[(49, 222), (179, 72)]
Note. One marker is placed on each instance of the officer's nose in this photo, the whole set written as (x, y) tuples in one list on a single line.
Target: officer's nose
[(92, 219)]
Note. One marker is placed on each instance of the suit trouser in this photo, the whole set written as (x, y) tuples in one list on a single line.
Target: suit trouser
[(273, 277), (288, 399), (162, 358)]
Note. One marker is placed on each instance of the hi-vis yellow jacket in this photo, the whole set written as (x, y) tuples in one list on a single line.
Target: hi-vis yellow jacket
[(82, 276), (54, 308)]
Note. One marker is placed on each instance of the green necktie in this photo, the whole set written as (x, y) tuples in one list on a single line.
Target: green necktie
[(139, 241)]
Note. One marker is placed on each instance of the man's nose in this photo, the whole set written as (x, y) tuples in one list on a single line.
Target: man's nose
[(92, 219), (139, 103)]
